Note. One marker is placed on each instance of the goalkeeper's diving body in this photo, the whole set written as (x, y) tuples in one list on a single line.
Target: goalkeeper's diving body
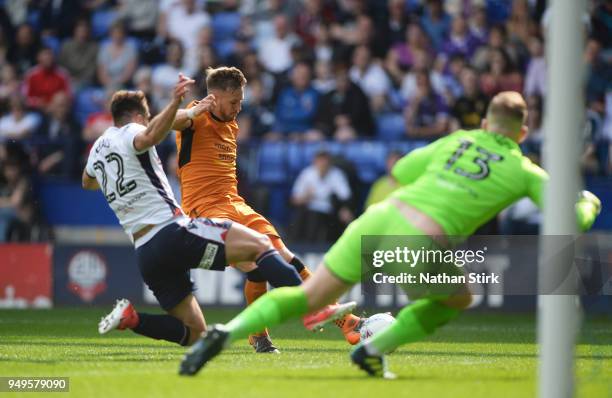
[(448, 188)]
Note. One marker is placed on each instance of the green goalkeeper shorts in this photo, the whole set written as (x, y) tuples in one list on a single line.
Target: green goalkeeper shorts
[(384, 226)]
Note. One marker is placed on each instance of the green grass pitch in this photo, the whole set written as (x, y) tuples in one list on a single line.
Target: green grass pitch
[(478, 355)]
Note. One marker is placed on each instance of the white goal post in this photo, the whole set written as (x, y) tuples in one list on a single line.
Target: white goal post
[(559, 315)]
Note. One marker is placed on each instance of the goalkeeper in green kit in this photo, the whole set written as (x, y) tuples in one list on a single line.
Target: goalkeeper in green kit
[(448, 188)]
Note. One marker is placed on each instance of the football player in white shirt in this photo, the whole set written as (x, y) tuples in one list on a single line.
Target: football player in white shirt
[(124, 165)]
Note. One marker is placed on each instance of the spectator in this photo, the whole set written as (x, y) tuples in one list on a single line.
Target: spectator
[(465, 7), (497, 42), (422, 62), (436, 22), (536, 77), (500, 76), (596, 155), (256, 118), (385, 185), (393, 28), (599, 70), (321, 193), (275, 53), (471, 106), (182, 20), (242, 47), (140, 17), (310, 20), (324, 80), (323, 48), (59, 17), (416, 40), (297, 105), (78, 55), (452, 78), (45, 80), (204, 44), (460, 41), (15, 189), (427, 113), (28, 224), (359, 33), (4, 44), (479, 29), (259, 17), (9, 83), (164, 75), (208, 59), (19, 123), (143, 81), (59, 140), (370, 76), (602, 28), (253, 70), (344, 113), (24, 49), (532, 145), (17, 11), (520, 25), (117, 59)]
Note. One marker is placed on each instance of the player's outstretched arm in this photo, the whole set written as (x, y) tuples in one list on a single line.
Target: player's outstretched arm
[(184, 117), (588, 206), (160, 125)]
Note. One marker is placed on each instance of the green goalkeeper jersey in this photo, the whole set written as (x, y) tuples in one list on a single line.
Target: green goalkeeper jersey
[(466, 178)]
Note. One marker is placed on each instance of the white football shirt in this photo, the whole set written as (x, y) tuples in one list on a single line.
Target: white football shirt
[(133, 183)]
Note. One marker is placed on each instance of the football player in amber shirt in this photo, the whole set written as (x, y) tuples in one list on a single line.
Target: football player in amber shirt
[(206, 145)]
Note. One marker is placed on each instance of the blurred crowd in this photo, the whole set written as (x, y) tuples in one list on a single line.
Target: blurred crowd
[(339, 70)]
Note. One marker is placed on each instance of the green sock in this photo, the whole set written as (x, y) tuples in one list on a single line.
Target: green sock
[(269, 310), (413, 323)]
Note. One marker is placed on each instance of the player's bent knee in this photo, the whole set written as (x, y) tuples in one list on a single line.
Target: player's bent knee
[(262, 244)]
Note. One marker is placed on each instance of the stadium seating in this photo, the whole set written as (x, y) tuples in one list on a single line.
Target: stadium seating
[(101, 21), (390, 126), (224, 26), (368, 158), (272, 163), (88, 100)]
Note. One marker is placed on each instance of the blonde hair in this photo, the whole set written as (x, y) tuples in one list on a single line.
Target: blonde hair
[(224, 78), (507, 112)]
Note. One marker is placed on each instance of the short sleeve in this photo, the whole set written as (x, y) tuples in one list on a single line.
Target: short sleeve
[(89, 166), (129, 133)]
